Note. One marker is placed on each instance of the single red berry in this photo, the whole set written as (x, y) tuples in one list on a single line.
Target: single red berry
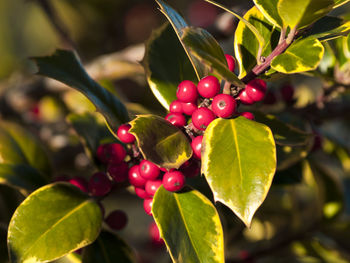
[(208, 87), (124, 135), (223, 105), (141, 193), (256, 89), (155, 234), (176, 107), (187, 91), (173, 181), (202, 117), (119, 171), (230, 62), (80, 182), (248, 115), (151, 187), (245, 99), (135, 178), (189, 107), (117, 220), (147, 206), (111, 153), (99, 184), (287, 92), (197, 146), (149, 170), (176, 119)]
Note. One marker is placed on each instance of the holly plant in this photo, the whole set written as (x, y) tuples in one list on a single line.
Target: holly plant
[(236, 133)]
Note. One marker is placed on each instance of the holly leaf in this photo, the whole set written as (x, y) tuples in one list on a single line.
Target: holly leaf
[(166, 64), (65, 67), (303, 55), (329, 27), (269, 9), (57, 217), (190, 226), (161, 142), (338, 3), (239, 162)]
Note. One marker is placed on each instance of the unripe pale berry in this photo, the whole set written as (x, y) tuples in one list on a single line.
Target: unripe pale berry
[(99, 184), (176, 106), (148, 170), (173, 181), (135, 178), (119, 172), (202, 117), (248, 115), (117, 220), (223, 105), (176, 119), (111, 153), (124, 135), (256, 89), (147, 206), (196, 145), (230, 62), (208, 87), (189, 107), (80, 182), (245, 99), (187, 91), (155, 234), (141, 193), (151, 187)]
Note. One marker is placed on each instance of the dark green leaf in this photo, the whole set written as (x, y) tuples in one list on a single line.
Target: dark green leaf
[(288, 156), (65, 67), (190, 226), (161, 142), (9, 200), (52, 222), (166, 65), (269, 10), (329, 27), (108, 248), (293, 175), (239, 162), (340, 3)]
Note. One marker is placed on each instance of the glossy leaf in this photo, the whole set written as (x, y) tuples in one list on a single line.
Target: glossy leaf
[(190, 226), (340, 3), (246, 44), (208, 51), (301, 56), (270, 11), (70, 258), (52, 222), (161, 142), (166, 64), (229, 163), (329, 27), (108, 248), (65, 67)]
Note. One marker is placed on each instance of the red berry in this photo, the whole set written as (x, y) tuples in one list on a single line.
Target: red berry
[(135, 178), (230, 62), (141, 193), (155, 234), (147, 206), (176, 107), (119, 172), (202, 117), (151, 187), (117, 220), (189, 107), (176, 119), (187, 91), (197, 146), (245, 99), (111, 153), (99, 184), (149, 170), (124, 135), (173, 181), (191, 170), (80, 182), (208, 87), (248, 115), (223, 105), (256, 89), (287, 92)]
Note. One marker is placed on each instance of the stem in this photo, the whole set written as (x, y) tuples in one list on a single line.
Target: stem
[(282, 35)]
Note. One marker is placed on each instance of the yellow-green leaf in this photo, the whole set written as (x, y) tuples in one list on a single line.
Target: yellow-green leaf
[(269, 10), (329, 27)]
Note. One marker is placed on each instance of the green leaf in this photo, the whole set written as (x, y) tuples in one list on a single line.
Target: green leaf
[(166, 64), (300, 13), (108, 248), (65, 67), (204, 46), (190, 226), (329, 27), (239, 162), (303, 55), (246, 44), (269, 10), (288, 156), (70, 258), (161, 142), (52, 222), (340, 3)]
